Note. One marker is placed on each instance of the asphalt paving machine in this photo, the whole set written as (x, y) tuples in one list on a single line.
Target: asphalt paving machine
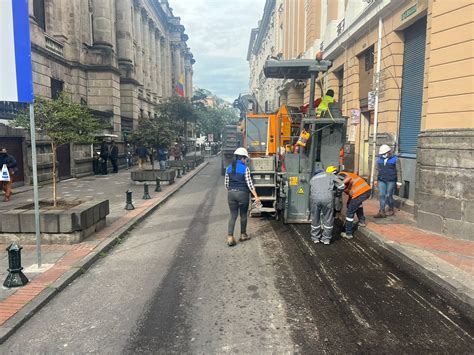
[(288, 146)]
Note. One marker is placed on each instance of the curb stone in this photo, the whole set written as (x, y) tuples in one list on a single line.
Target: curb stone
[(416, 269), (31, 308)]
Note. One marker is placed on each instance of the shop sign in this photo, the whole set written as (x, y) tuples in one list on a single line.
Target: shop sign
[(408, 12), (371, 100), (355, 116)]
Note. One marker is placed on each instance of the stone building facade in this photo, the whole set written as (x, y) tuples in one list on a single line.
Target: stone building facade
[(120, 57), (426, 95)]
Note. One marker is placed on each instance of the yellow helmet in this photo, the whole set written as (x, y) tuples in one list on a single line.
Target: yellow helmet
[(331, 169)]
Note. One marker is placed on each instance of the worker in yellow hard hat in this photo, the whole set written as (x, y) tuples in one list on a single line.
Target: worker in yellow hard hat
[(331, 169)]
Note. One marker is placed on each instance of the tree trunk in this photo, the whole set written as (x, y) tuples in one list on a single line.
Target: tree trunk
[(55, 198)]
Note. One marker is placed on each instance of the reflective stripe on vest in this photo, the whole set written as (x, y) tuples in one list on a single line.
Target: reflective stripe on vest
[(358, 187)]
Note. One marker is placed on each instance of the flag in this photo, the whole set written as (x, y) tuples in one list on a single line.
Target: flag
[(16, 82), (180, 86)]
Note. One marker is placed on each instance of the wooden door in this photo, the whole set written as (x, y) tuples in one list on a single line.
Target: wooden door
[(14, 146)]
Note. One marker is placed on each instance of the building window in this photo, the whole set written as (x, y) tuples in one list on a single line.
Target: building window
[(369, 59), (39, 13), (57, 87)]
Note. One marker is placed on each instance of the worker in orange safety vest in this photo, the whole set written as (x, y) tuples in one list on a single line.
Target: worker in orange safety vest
[(359, 191)]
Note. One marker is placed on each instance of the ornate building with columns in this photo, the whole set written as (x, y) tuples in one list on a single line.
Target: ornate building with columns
[(121, 57)]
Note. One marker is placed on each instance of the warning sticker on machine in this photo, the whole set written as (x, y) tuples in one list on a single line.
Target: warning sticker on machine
[(293, 180), (301, 190)]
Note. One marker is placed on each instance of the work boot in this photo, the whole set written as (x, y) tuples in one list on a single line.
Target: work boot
[(347, 236), (244, 237), (231, 241), (381, 214), (362, 224), (391, 212)]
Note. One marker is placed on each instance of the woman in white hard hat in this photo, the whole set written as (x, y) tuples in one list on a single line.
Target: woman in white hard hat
[(238, 182), (389, 175)]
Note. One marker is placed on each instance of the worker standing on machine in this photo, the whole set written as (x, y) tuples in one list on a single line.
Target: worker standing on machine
[(323, 184), (359, 191)]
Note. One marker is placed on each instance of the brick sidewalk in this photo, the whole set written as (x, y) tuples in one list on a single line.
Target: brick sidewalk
[(450, 259), (61, 259)]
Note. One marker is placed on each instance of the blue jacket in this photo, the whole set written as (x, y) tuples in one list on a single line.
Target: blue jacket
[(237, 180), (388, 171)]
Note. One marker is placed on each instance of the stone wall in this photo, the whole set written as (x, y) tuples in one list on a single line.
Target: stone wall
[(444, 201)]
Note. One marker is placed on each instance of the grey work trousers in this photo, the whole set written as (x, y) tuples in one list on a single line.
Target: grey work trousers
[(322, 220), (238, 202)]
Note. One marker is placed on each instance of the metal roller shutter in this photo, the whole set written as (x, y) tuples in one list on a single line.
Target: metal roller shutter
[(412, 86)]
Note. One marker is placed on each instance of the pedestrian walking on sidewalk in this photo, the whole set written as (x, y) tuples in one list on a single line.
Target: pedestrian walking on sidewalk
[(389, 176), (323, 184), (104, 155), (114, 156), (162, 157), (359, 191), (10, 163), (238, 182), (142, 153)]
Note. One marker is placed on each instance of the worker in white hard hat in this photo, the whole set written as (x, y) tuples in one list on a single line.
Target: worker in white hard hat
[(238, 182), (389, 176)]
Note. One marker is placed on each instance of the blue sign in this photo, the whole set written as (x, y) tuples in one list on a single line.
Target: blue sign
[(16, 82)]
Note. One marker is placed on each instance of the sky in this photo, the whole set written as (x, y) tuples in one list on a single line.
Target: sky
[(219, 33)]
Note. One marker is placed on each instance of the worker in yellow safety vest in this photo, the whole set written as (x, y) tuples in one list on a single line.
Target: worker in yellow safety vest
[(325, 101)]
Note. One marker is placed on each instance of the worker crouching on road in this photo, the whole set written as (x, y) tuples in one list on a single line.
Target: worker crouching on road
[(323, 184), (238, 182), (359, 191), (389, 175)]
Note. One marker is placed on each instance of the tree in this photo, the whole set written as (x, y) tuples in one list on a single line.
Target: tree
[(147, 134), (213, 119), (63, 121)]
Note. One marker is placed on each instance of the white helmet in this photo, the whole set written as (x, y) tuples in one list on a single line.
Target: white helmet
[(242, 152), (384, 149)]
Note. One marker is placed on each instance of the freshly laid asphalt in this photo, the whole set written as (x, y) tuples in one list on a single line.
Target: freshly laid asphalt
[(173, 286)]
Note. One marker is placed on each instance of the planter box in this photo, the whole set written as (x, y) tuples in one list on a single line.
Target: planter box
[(58, 226), (151, 175)]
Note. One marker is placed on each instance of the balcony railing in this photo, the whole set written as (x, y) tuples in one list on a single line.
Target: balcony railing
[(9, 110), (54, 46), (341, 27)]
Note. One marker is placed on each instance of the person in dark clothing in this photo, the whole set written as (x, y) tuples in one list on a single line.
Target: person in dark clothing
[(142, 153), (162, 157), (10, 162), (114, 156), (389, 176), (104, 155), (238, 182)]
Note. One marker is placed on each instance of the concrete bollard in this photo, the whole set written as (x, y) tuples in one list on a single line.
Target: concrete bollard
[(146, 194), (158, 185), (129, 205)]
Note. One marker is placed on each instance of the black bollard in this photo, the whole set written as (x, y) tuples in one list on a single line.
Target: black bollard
[(16, 277), (146, 194), (179, 173), (184, 169), (158, 185), (129, 205)]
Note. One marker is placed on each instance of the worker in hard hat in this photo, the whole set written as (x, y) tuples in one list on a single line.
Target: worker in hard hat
[(325, 102), (238, 182), (389, 176), (359, 191), (323, 184)]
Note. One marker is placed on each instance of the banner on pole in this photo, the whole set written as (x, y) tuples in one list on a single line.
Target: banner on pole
[(16, 82)]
